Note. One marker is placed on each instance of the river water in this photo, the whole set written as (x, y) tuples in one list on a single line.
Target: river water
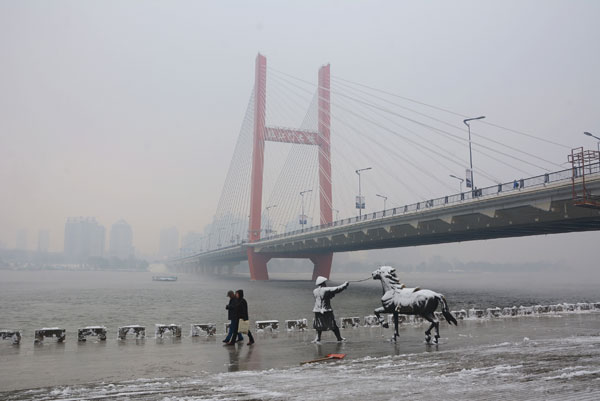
[(549, 356)]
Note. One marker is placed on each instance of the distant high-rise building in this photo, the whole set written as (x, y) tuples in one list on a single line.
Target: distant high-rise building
[(191, 243), (169, 242), (21, 242), (84, 238), (43, 241), (121, 240)]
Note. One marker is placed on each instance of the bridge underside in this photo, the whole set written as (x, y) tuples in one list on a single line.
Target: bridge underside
[(560, 217), (222, 264)]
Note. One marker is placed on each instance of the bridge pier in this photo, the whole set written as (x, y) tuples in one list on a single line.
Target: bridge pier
[(258, 265), (322, 264)]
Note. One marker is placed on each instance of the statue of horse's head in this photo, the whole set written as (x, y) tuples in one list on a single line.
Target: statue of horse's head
[(385, 273)]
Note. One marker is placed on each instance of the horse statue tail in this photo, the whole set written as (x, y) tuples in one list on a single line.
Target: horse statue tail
[(446, 312)]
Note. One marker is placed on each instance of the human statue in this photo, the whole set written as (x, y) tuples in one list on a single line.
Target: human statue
[(324, 319)]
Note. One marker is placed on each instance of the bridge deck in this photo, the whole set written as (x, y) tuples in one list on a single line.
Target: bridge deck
[(543, 208)]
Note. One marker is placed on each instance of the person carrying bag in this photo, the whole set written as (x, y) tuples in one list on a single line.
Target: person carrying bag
[(233, 318), (242, 313), (243, 326)]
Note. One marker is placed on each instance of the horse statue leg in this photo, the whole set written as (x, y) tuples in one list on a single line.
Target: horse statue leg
[(396, 334), (378, 312), (437, 331), (430, 317)]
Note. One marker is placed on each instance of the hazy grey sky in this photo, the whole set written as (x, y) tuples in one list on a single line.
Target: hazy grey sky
[(132, 109)]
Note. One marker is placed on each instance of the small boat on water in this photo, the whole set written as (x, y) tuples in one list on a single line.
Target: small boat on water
[(164, 278)]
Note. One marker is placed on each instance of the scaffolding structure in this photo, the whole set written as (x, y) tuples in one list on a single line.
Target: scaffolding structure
[(584, 162)]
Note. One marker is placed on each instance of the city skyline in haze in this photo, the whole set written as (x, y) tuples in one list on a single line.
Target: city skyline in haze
[(132, 110)]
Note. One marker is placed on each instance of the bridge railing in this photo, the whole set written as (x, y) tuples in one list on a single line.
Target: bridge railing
[(476, 194)]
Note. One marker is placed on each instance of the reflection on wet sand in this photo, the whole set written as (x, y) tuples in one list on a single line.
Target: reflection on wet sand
[(49, 347), (137, 341), (243, 357), (168, 340)]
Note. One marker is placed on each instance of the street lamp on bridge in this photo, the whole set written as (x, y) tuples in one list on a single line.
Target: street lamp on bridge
[(466, 121), (219, 240), (200, 243), (337, 214), (458, 178), (267, 231), (384, 200), (303, 219), (232, 232), (360, 201), (593, 136)]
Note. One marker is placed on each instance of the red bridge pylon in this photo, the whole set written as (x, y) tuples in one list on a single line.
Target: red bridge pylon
[(321, 138)]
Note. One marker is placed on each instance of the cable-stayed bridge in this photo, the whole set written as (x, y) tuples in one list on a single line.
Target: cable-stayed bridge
[(287, 187)]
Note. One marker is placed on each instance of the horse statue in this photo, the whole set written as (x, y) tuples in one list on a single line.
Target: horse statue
[(398, 299)]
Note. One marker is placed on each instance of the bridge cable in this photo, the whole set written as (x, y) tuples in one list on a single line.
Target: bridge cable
[(436, 145), (444, 132), (297, 156), (352, 128), (542, 139), (434, 128), (451, 125), (336, 148)]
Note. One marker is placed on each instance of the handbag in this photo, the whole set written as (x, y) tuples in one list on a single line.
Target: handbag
[(243, 326)]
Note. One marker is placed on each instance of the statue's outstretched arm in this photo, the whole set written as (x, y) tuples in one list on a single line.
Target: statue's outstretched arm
[(339, 288)]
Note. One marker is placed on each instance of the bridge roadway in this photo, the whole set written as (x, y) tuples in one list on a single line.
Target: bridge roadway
[(540, 205)]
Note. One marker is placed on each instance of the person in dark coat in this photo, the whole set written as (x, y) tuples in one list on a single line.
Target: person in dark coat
[(324, 318), (242, 313), (232, 316)]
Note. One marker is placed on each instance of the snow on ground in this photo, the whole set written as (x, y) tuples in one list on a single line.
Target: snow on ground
[(563, 368)]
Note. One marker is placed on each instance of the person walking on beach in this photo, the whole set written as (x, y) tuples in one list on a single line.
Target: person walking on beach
[(232, 316), (242, 313), (324, 319)]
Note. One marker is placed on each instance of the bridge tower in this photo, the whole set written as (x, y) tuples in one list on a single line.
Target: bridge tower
[(321, 138)]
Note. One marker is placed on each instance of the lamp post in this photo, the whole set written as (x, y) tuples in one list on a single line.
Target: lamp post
[(360, 205), (219, 239), (466, 121), (268, 221), (302, 216), (460, 179), (337, 214), (384, 200), (232, 231), (593, 136)]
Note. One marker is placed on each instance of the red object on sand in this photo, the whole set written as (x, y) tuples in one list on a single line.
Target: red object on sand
[(327, 358)]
